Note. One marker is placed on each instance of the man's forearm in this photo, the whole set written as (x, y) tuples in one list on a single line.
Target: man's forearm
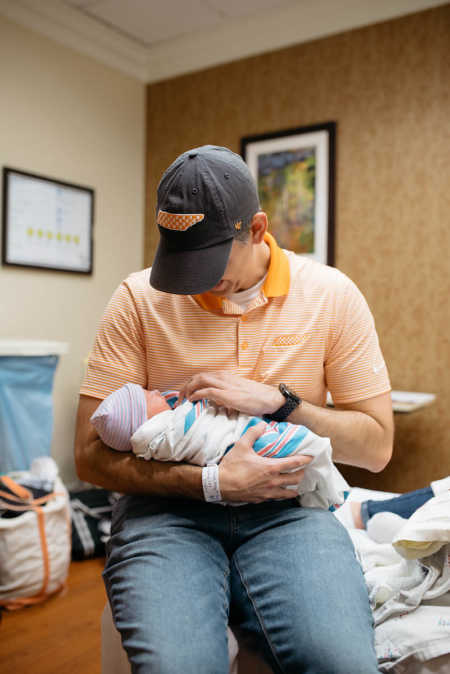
[(125, 473), (357, 438)]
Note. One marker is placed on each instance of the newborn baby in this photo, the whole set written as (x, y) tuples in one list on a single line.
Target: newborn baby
[(147, 423)]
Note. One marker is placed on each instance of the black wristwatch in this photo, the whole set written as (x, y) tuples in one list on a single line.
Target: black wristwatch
[(292, 401)]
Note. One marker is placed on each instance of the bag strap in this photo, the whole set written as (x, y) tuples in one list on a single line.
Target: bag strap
[(22, 505), (25, 502), (25, 601), (16, 488), (21, 602)]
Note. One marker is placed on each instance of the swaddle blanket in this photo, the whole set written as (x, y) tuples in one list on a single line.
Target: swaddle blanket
[(201, 433)]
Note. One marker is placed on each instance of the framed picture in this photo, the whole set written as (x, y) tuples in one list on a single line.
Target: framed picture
[(47, 224), (294, 172)]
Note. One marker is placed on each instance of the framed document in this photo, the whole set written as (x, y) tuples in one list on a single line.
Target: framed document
[(294, 173), (47, 224)]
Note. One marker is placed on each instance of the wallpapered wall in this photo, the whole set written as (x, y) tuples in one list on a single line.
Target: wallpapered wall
[(387, 87)]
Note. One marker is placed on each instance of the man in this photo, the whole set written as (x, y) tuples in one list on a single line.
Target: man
[(225, 314)]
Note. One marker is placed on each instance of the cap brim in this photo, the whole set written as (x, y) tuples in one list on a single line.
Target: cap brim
[(189, 272)]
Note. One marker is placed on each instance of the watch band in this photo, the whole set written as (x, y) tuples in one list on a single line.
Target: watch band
[(292, 402)]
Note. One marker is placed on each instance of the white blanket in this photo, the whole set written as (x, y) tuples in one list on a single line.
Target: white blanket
[(410, 598), (397, 585)]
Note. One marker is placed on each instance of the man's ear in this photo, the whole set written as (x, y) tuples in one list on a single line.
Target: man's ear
[(258, 226)]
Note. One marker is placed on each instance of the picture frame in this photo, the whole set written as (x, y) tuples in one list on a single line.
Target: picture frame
[(294, 171), (46, 223)]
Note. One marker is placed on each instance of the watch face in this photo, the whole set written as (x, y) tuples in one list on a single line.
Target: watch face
[(287, 393)]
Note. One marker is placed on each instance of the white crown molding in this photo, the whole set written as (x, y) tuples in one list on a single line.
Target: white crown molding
[(80, 32), (301, 22), (298, 22)]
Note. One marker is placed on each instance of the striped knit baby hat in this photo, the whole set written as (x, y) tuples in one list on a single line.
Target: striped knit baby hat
[(120, 415)]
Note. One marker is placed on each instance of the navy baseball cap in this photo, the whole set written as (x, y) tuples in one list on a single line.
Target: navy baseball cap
[(204, 197)]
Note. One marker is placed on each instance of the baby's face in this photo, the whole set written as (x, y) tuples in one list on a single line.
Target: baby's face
[(155, 403)]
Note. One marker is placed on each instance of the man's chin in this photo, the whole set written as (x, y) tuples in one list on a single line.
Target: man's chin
[(222, 290)]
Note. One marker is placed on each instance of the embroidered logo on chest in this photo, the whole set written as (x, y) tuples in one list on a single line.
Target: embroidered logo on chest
[(288, 340)]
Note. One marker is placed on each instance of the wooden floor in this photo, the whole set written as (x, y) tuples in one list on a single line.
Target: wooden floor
[(62, 635)]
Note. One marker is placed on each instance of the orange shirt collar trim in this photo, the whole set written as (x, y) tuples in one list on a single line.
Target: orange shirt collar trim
[(278, 274), (275, 285)]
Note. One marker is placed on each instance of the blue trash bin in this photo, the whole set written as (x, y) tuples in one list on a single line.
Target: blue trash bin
[(27, 370)]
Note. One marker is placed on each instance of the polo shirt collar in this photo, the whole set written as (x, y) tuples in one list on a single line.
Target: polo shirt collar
[(278, 274), (276, 283)]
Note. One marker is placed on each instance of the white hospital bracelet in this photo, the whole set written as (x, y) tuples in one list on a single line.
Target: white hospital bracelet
[(210, 482)]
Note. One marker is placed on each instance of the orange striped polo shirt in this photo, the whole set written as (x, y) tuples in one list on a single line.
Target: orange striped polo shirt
[(310, 327)]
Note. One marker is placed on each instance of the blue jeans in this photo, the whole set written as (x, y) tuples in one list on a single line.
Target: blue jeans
[(178, 571), (404, 505)]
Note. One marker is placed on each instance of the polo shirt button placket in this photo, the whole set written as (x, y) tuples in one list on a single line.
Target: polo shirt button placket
[(242, 342), (243, 352)]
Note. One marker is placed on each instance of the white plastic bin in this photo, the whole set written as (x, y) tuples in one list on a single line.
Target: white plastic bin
[(27, 369)]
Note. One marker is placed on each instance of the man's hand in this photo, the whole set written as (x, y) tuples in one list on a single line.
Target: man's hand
[(244, 476), (233, 392)]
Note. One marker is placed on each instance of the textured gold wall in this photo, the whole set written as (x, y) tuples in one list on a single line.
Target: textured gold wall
[(387, 87)]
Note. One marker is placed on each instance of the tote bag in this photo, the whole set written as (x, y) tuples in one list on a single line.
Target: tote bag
[(35, 546)]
